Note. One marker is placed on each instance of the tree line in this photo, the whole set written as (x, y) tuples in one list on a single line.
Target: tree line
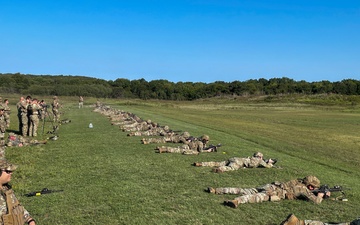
[(62, 85)]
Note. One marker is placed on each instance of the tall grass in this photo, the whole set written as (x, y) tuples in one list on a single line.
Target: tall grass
[(110, 178)]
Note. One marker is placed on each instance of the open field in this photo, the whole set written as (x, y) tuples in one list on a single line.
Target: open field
[(110, 178)]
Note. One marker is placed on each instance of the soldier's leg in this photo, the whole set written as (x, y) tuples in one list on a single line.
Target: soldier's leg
[(235, 191), (212, 164), (35, 125), (24, 121), (253, 198)]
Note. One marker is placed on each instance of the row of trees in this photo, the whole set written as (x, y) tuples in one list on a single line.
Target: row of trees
[(165, 90)]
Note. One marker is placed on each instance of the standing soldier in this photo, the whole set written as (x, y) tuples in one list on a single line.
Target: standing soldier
[(81, 102), (18, 107), (2, 126), (7, 112), (33, 110), (24, 115), (55, 108)]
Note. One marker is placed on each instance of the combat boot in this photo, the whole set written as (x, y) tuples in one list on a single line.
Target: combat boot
[(161, 149), (211, 190), (293, 220), (232, 203), (217, 170), (197, 164)]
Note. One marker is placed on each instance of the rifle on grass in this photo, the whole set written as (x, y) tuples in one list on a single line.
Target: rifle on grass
[(274, 161), (42, 192), (213, 147), (325, 189)]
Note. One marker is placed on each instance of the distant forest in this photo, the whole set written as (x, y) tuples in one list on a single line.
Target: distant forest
[(26, 84)]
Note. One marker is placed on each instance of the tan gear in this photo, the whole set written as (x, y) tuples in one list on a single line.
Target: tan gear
[(211, 190), (205, 138), (258, 155), (312, 180), (186, 134), (5, 165), (292, 220), (15, 213)]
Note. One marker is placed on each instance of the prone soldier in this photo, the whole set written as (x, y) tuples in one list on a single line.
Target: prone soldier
[(276, 191), (236, 163)]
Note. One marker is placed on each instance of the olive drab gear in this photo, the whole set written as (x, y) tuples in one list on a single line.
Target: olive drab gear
[(312, 180), (15, 215)]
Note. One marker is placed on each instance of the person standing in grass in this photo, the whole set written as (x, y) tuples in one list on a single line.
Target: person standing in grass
[(33, 111), (11, 211), (2, 126), (276, 191), (293, 220), (7, 112), (55, 109), (81, 102), (236, 163)]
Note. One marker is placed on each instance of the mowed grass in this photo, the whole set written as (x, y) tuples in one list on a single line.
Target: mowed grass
[(110, 178)]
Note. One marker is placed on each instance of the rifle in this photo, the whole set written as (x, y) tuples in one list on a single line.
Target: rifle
[(43, 191), (325, 188), (213, 147), (274, 161)]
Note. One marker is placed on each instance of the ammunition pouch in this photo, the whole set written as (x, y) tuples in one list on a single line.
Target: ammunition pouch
[(15, 214)]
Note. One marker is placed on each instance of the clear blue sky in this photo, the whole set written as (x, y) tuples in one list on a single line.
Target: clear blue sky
[(196, 41)]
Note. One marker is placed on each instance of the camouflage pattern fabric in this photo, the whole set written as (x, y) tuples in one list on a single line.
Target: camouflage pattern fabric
[(314, 222), (236, 163), (4, 207), (34, 120), (276, 191)]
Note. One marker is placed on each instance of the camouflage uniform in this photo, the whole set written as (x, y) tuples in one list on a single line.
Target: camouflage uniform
[(11, 211), (192, 148), (19, 111), (55, 109), (81, 102), (7, 112), (19, 141), (156, 131), (236, 163), (2, 126), (170, 138), (275, 191), (292, 220), (33, 111), (24, 115)]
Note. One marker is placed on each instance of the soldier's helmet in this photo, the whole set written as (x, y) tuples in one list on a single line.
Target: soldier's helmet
[(186, 134), (148, 121), (5, 165), (258, 154), (205, 138), (312, 180), (55, 97), (166, 128)]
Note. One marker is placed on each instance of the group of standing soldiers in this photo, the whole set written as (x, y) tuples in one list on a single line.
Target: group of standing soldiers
[(31, 111)]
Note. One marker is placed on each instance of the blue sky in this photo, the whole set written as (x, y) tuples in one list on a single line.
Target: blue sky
[(187, 41)]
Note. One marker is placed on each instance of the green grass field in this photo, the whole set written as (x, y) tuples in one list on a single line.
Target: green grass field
[(110, 178)]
